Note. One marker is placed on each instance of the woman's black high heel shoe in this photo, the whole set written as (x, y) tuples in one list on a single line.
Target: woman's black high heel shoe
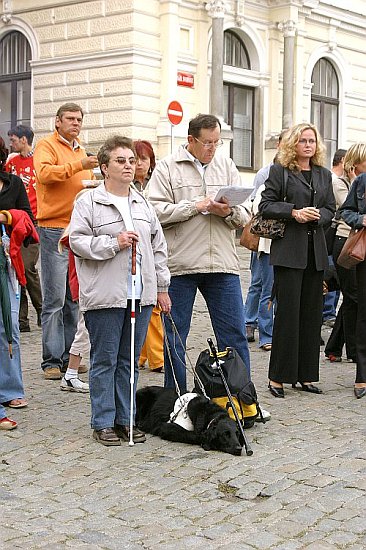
[(277, 392), (308, 387)]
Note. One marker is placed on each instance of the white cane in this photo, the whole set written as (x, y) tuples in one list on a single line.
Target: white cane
[(133, 321)]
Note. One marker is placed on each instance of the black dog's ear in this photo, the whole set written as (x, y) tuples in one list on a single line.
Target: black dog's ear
[(206, 446)]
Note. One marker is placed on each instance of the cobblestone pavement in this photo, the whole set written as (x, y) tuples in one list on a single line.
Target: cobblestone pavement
[(304, 487)]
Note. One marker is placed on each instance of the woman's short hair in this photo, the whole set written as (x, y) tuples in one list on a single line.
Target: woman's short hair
[(144, 148), (287, 154), (112, 143), (354, 155)]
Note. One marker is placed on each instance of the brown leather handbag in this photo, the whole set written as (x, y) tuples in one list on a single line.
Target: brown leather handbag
[(354, 249), (248, 239)]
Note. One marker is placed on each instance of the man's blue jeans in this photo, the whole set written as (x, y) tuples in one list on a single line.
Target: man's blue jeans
[(257, 313), (223, 296), (59, 312), (110, 365)]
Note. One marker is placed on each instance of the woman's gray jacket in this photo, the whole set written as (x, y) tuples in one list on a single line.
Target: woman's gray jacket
[(102, 267)]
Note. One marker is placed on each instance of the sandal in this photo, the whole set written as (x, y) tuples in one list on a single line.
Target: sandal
[(7, 424), (19, 403)]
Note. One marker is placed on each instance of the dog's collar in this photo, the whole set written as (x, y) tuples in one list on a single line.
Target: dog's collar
[(210, 424)]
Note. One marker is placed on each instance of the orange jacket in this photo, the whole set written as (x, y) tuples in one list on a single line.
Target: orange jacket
[(59, 173)]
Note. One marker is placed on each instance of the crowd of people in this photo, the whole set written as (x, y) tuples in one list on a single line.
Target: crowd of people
[(119, 253)]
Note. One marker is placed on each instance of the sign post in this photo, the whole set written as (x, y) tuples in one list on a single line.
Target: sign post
[(175, 115)]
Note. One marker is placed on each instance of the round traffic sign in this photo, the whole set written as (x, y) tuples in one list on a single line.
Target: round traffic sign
[(175, 112)]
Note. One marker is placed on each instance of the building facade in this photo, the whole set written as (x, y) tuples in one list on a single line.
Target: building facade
[(260, 65)]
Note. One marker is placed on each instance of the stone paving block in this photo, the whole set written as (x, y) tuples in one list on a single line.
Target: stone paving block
[(309, 458)]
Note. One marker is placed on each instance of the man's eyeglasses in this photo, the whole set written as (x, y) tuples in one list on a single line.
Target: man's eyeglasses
[(303, 141), (123, 160), (209, 144)]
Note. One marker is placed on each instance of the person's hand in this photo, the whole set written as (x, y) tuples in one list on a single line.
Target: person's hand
[(221, 208), (202, 205), (352, 174), (164, 302), (307, 214), (3, 218), (88, 163), (125, 239)]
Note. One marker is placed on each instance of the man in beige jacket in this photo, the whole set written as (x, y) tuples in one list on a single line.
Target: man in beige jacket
[(200, 234)]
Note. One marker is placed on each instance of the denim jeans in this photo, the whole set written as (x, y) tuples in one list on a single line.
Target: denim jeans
[(257, 313), (330, 301), (11, 380), (59, 312), (223, 296), (110, 368)]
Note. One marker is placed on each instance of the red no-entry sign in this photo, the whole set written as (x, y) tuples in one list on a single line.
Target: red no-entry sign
[(175, 112)]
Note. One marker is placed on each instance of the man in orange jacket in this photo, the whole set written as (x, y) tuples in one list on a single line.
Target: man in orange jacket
[(61, 164)]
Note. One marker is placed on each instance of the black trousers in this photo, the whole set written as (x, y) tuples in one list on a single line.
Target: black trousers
[(344, 330), (297, 323), (361, 323)]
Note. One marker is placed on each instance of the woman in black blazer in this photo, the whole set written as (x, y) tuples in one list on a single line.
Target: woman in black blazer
[(300, 257)]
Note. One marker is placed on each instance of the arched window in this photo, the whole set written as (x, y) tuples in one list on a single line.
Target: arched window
[(325, 104), (238, 102), (235, 52), (15, 81)]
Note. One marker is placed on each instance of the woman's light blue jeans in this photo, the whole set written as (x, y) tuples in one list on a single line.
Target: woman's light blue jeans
[(110, 367)]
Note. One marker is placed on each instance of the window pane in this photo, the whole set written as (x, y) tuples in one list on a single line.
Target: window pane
[(15, 54), (5, 109), (315, 113), (242, 126), (235, 53), (330, 121), (226, 104), (23, 102)]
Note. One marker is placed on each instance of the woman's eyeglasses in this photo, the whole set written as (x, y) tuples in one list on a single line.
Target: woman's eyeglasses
[(303, 141), (123, 160)]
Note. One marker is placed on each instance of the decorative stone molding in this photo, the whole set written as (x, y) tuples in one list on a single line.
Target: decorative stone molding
[(7, 11), (216, 8), (288, 28), (239, 12)]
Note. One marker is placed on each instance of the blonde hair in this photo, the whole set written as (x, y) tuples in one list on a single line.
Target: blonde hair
[(355, 155), (287, 155)]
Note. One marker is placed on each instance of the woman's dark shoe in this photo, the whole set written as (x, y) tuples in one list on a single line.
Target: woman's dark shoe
[(359, 392), (277, 392), (309, 388), (107, 437)]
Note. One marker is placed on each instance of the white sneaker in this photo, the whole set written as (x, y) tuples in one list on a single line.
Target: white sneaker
[(75, 384), (266, 416)]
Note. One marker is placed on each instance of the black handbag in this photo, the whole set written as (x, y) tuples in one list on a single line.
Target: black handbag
[(270, 228)]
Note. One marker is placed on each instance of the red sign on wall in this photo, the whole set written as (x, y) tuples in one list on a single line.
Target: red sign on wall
[(185, 79)]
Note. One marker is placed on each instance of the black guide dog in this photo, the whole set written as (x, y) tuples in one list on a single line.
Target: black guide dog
[(213, 428)]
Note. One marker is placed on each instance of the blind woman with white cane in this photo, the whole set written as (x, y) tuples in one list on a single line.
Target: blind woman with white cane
[(104, 225)]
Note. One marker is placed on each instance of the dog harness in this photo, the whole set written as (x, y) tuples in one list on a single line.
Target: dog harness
[(180, 414)]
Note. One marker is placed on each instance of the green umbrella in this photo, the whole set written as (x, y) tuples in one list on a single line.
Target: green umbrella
[(5, 300)]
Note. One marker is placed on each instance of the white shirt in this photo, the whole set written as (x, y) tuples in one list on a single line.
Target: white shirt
[(123, 206)]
